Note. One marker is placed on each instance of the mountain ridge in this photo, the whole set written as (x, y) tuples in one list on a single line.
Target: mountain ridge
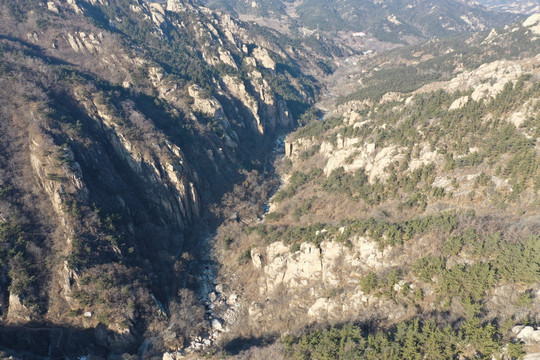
[(130, 111), (520, 6), (372, 224), (147, 209), (394, 22)]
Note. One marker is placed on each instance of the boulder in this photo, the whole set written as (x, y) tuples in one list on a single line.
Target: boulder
[(533, 22), (459, 103), (517, 329), (52, 7), (319, 310), (17, 311), (256, 259), (526, 332), (233, 299), (262, 56), (217, 325)]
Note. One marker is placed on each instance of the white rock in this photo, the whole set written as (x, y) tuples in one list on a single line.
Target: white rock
[(175, 6), (16, 309), (372, 160), (332, 253), (255, 312), (264, 59), (459, 103), (487, 80), (52, 7), (306, 265), (319, 310), (426, 157), (249, 61), (233, 298), (226, 57), (533, 22), (517, 118), (256, 259), (158, 18), (525, 333), (399, 285), (88, 314), (442, 182), (492, 36), (390, 96), (168, 356), (217, 325), (156, 7), (238, 89)]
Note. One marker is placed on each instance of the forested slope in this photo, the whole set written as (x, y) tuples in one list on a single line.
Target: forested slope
[(408, 217), (122, 122)]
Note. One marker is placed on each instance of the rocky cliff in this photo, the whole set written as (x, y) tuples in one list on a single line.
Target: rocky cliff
[(122, 122), (140, 217), (401, 205)]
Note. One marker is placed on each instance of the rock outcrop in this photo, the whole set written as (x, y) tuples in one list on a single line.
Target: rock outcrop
[(488, 80), (533, 22), (17, 311), (527, 334), (130, 128), (309, 274)]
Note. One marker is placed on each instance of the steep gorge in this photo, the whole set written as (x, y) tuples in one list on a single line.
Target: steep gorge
[(138, 144), (122, 123)]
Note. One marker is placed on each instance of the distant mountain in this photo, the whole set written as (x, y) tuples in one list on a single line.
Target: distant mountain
[(513, 6), (391, 21)]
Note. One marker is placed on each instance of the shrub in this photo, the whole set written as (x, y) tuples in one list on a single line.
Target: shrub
[(245, 257), (369, 283)]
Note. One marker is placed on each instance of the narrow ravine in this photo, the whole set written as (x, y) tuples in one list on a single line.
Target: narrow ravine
[(222, 305)]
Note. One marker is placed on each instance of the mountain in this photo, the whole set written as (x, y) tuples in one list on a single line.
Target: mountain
[(393, 21), (513, 6), (178, 183), (408, 215), (122, 123)]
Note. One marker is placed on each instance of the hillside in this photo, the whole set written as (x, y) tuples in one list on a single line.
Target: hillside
[(391, 22), (178, 183), (117, 117), (515, 6), (410, 209)]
